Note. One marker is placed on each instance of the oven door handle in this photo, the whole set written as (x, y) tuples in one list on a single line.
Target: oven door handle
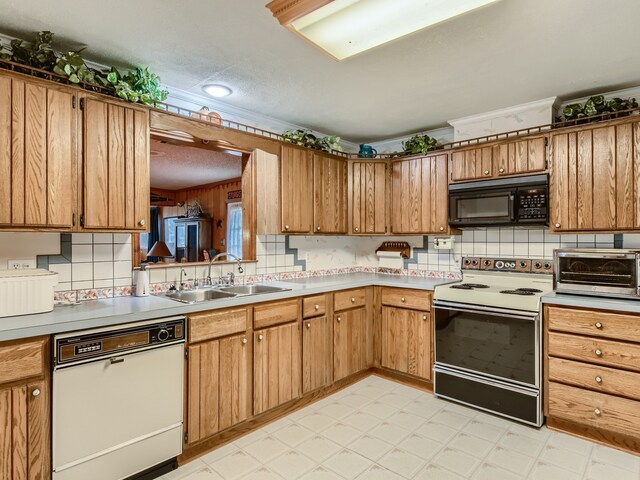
[(485, 311)]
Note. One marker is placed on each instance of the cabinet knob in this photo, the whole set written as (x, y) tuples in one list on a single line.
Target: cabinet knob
[(36, 392), (142, 222), (442, 229), (598, 352), (403, 299), (597, 411), (486, 172), (557, 225), (353, 300), (244, 341), (317, 229), (599, 325), (260, 337), (501, 170), (598, 379), (357, 229), (308, 324), (339, 318), (286, 227), (317, 307), (424, 317)]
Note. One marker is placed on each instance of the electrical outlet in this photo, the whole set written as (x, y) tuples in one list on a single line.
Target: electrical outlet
[(21, 264)]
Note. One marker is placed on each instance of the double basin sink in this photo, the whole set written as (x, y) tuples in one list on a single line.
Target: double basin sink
[(219, 293)]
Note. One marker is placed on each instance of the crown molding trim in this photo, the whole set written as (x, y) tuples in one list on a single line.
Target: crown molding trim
[(288, 11)]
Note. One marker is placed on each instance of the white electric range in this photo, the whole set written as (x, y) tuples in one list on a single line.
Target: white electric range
[(488, 333)]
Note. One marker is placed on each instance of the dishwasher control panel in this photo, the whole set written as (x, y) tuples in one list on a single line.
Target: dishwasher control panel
[(110, 342)]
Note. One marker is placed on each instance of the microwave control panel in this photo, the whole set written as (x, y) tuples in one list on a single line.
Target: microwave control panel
[(532, 204)]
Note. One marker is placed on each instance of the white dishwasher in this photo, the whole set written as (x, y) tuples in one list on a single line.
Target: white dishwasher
[(118, 401)]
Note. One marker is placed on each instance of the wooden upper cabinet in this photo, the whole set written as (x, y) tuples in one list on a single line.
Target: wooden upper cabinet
[(330, 194), (296, 193), (593, 172), (37, 155), (116, 166), (369, 189), (419, 195), (513, 157)]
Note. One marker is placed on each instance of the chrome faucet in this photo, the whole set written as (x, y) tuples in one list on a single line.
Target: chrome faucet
[(220, 255), (183, 272)]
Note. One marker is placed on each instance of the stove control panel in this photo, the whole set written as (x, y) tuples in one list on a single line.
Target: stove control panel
[(522, 265)]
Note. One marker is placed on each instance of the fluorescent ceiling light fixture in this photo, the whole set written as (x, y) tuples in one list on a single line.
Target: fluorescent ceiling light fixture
[(217, 90), (344, 28)]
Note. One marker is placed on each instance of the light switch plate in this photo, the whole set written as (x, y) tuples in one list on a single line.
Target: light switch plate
[(21, 264), (443, 243)]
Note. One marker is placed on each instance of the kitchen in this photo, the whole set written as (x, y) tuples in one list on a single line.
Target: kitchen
[(201, 280)]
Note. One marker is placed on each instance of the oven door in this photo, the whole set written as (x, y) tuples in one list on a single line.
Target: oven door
[(491, 342), (471, 209)]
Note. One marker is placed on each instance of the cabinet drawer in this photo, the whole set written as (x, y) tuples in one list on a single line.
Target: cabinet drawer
[(314, 306), (22, 360), (595, 323), (593, 350), (595, 377), (403, 298), (595, 409), (275, 313), (210, 325), (349, 299)]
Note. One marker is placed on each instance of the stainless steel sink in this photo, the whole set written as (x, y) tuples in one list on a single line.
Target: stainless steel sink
[(242, 290), (199, 295)]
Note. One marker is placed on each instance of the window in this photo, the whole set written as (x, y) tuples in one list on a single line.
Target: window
[(234, 229)]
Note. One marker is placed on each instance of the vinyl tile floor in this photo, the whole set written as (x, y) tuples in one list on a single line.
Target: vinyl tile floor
[(380, 429)]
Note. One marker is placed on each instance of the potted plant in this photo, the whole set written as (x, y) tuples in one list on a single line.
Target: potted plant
[(305, 138), (419, 144), (579, 113)]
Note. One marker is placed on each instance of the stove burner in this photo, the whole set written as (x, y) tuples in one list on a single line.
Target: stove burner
[(469, 286), (532, 290), (519, 291)]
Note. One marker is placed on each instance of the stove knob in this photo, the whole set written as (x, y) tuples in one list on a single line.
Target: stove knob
[(163, 335), (512, 264), (467, 261), (487, 263), (547, 266), (474, 262), (499, 264), (538, 265), (523, 264)]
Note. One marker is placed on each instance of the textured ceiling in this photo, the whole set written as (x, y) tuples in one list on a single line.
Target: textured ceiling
[(175, 167), (507, 53)]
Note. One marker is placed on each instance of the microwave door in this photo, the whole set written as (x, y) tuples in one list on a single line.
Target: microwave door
[(481, 209)]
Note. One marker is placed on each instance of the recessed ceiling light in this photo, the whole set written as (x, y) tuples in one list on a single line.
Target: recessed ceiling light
[(344, 28), (217, 90)]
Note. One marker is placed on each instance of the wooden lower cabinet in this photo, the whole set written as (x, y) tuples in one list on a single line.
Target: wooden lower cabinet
[(219, 391), (25, 413), (406, 341), (350, 342), (316, 353), (276, 366)]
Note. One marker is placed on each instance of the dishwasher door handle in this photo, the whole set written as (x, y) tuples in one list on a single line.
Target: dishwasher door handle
[(115, 360)]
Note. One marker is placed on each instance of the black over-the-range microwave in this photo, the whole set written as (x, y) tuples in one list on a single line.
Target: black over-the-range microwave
[(517, 201)]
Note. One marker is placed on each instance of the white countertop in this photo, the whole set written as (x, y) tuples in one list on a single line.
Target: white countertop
[(586, 301), (121, 310)]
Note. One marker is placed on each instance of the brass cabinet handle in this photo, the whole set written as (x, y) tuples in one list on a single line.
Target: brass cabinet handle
[(317, 229), (308, 324), (486, 172), (599, 325), (598, 352), (442, 229), (598, 379), (339, 318), (353, 300), (142, 222), (557, 225), (403, 299), (357, 229), (501, 170), (286, 227), (36, 392), (260, 337), (597, 411), (317, 307), (424, 317), (244, 341)]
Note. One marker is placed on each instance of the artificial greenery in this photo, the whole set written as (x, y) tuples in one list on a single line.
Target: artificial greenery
[(596, 105), (419, 144), (138, 85), (305, 138)]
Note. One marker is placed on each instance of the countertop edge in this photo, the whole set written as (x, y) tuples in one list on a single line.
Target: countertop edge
[(594, 302)]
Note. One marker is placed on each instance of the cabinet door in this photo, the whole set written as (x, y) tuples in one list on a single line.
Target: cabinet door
[(471, 164), (235, 381), (523, 156), (276, 366), (24, 432), (296, 194), (316, 354), (350, 339), (419, 201), (37, 156), (330, 194), (116, 166), (592, 179), (406, 341), (368, 197)]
